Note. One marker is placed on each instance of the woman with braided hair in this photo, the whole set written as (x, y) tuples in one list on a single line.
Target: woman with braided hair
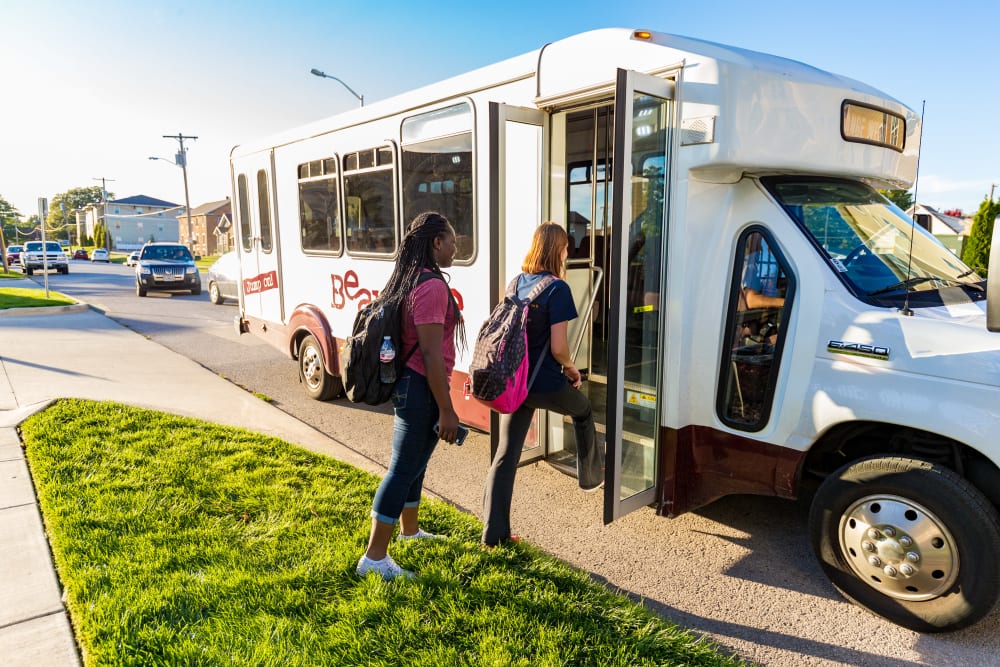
[(431, 327)]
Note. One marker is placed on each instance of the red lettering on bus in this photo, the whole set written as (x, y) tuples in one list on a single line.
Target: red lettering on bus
[(347, 288), (261, 283)]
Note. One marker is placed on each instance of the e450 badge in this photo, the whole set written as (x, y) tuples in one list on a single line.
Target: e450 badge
[(858, 349)]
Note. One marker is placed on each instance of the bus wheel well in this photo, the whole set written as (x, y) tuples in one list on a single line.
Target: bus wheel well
[(846, 443)]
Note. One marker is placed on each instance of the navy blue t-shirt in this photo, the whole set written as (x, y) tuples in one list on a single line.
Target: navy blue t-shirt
[(552, 306)]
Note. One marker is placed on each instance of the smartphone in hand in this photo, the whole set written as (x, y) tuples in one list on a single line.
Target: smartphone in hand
[(460, 436)]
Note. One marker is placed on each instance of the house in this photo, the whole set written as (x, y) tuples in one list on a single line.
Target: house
[(951, 230), (133, 221), (211, 228)]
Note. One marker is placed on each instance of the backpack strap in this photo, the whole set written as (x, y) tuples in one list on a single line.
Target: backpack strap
[(536, 291)]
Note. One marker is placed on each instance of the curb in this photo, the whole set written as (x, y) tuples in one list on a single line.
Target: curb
[(44, 310)]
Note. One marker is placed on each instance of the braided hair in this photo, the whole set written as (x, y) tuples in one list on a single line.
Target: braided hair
[(416, 253)]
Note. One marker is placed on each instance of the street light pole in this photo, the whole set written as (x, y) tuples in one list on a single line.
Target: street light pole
[(316, 72), (182, 163)]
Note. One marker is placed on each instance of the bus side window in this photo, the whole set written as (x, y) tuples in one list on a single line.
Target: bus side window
[(319, 206), (436, 170), (759, 301), (369, 202), (246, 233)]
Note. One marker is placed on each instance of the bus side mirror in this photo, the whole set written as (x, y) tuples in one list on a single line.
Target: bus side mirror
[(993, 283)]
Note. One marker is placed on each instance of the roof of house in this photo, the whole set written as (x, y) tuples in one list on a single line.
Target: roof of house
[(211, 207), (143, 200), (956, 224)]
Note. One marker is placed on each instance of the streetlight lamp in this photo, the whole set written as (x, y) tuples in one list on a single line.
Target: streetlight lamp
[(361, 98)]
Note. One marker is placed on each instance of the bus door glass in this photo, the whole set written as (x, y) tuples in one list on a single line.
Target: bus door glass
[(262, 296), (581, 180), (643, 118)]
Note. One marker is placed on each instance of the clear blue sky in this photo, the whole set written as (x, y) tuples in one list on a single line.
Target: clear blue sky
[(91, 87)]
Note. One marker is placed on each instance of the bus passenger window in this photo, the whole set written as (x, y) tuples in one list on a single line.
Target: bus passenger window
[(369, 203), (436, 170), (264, 202), (319, 206), (759, 302), (246, 233)]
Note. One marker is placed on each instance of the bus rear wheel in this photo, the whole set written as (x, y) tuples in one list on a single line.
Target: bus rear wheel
[(910, 541), (319, 384)]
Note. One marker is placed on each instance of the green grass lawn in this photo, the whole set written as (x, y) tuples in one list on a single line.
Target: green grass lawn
[(181, 542), (30, 297)]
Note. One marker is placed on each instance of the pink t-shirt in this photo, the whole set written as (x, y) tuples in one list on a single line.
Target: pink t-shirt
[(429, 303)]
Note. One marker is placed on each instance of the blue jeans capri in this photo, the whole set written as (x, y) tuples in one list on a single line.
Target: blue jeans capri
[(413, 442)]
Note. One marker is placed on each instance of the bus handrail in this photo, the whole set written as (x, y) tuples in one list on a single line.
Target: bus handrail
[(598, 277)]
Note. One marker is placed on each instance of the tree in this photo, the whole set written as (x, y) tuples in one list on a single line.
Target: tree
[(9, 217), (901, 198), (99, 239), (977, 248), (62, 208)]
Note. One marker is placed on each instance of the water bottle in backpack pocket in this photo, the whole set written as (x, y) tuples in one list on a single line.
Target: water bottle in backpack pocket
[(386, 355)]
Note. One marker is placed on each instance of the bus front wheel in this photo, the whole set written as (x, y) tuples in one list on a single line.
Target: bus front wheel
[(909, 540), (320, 385)]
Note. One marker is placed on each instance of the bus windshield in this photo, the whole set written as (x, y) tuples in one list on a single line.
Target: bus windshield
[(867, 238)]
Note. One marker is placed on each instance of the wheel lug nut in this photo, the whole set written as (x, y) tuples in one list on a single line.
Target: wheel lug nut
[(876, 561), (913, 556), (873, 533), (905, 542), (906, 569), (890, 571), (889, 531), (867, 546)]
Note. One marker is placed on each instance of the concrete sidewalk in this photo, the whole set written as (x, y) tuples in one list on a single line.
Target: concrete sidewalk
[(74, 351)]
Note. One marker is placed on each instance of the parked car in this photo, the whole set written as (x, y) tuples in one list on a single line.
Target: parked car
[(80, 253), (223, 278), (13, 255), (166, 266), (33, 259), (101, 255)]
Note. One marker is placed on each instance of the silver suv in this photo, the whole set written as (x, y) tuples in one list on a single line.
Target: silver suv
[(166, 266), (32, 257)]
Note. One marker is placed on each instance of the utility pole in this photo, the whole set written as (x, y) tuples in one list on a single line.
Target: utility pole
[(182, 161), (992, 187), (104, 212)]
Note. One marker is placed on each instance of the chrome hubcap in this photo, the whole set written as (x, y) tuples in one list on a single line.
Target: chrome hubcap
[(898, 547), (311, 367)]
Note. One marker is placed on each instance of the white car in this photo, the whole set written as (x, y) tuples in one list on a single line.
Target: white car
[(100, 255), (132, 259)]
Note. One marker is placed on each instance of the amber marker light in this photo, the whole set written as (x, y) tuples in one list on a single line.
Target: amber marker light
[(642, 34)]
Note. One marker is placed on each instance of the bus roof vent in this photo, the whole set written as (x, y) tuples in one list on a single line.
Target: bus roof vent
[(698, 131)]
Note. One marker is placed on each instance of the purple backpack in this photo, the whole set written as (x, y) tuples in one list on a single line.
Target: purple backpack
[(499, 369)]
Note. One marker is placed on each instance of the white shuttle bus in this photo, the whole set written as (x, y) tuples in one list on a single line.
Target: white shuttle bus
[(754, 317)]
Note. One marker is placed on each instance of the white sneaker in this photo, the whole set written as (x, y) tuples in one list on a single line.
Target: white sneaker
[(421, 534), (386, 567)]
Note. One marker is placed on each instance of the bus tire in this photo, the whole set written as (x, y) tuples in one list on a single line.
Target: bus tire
[(319, 384), (910, 541)]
